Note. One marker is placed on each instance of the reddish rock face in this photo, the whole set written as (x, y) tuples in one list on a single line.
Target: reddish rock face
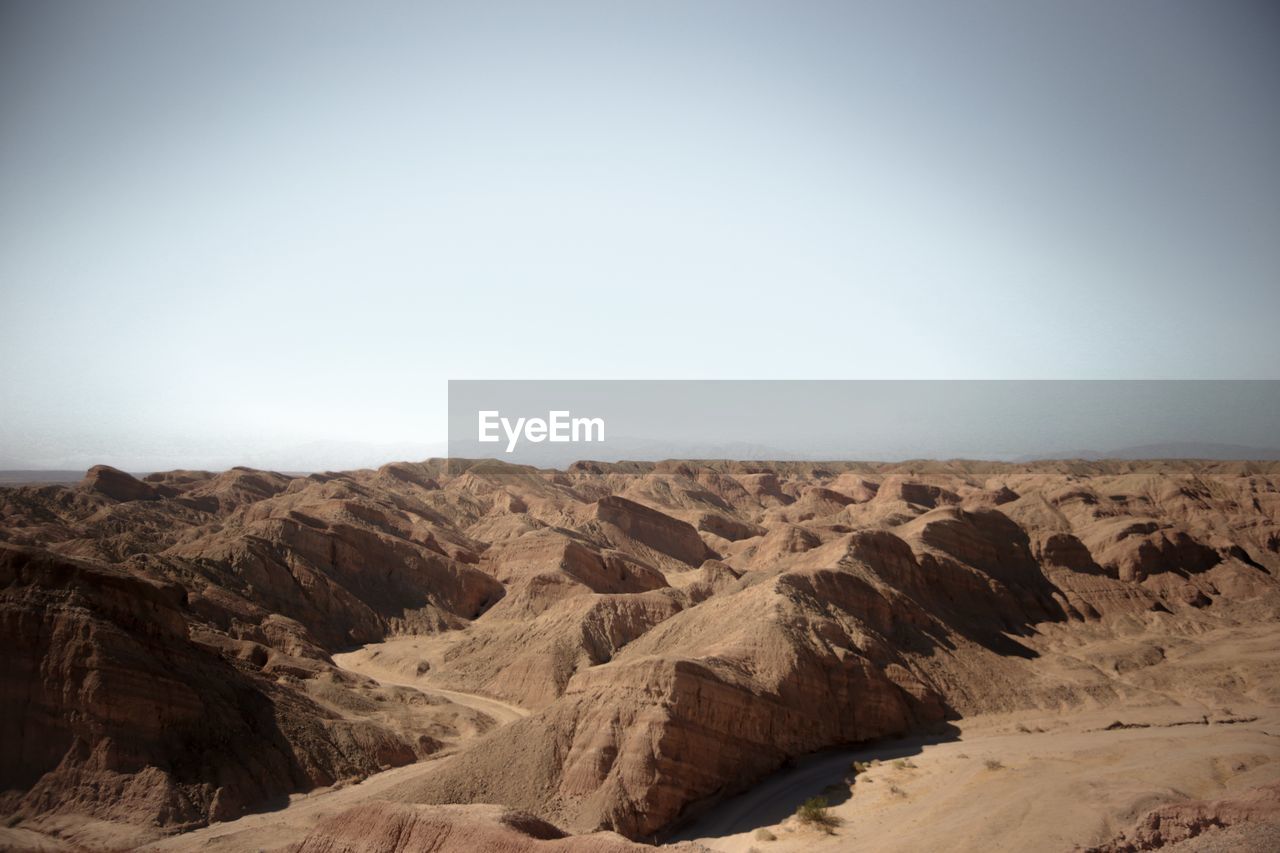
[(109, 707), (1064, 549), (921, 494), (652, 529), (1169, 825), (117, 485)]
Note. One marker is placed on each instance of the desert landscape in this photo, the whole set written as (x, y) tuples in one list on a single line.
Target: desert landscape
[(389, 391), (732, 656)]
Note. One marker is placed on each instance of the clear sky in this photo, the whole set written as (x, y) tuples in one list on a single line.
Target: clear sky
[(228, 229)]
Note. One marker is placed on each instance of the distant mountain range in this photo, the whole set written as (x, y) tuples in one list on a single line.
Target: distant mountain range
[(1168, 450), (40, 478), (370, 456)]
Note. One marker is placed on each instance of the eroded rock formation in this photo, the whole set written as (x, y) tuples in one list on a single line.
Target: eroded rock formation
[(679, 630)]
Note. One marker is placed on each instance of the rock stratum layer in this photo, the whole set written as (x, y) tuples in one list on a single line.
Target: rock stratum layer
[(679, 630)]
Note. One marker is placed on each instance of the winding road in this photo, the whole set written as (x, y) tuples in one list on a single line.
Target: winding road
[(502, 712)]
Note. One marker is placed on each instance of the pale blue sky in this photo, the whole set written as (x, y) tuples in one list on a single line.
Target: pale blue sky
[(255, 225)]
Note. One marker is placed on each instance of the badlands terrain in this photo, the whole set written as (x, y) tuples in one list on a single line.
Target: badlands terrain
[(476, 656)]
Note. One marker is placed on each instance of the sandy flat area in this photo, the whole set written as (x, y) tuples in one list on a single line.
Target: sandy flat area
[(1017, 782)]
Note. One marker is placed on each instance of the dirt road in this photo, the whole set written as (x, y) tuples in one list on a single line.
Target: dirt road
[(502, 712)]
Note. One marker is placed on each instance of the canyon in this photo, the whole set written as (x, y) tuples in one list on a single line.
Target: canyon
[(462, 655)]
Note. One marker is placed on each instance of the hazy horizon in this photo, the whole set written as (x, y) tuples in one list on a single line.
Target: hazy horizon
[(362, 459), (228, 231)]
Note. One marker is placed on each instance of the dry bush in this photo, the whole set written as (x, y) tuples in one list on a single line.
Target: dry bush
[(813, 812)]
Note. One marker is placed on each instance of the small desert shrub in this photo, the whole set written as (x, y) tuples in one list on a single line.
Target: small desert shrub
[(1022, 727), (812, 809), (763, 834), (904, 764), (963, 755), (813, 812), (993, 764), (896, 791)]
